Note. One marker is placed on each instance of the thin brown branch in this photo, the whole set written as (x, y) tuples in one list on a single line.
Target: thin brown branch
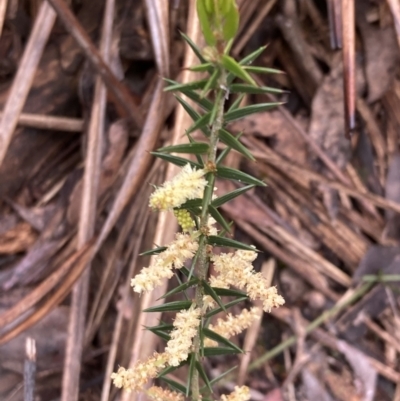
[(91, 180), (120, 92), (24, 78), (349, 73)]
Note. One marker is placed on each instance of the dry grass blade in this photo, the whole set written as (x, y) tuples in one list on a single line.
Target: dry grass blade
[(25, 74), (122, 95), (349, 43), (91, 180)]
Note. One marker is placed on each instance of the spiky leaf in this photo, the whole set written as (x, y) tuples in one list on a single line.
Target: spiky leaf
[(236, 69), (214, 240), (248, 110), (174, 385), (181, 288), (262, 70), (231, 195), (227, 306), (210, 291), (170, 306), (220, 339), (194, 47), (194, 148), (259, 90), (214, 351), (154, 251), (228, 139), (233, 174), (179, 161)]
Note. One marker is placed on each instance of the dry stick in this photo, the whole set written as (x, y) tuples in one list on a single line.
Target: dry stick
[(248, 33), (315, 259), (335, 25), (121, 93), (166, 224), (376, 137), (246, 10), (311, 326), (39, 292), (348, 52), (24, 78), (302, 267), (42, 121), (90, 184), (395, 9), (324, 230), (75, 265), (125, 302), (29, 369), (383, 334), (307, 139), (3, 9), (291, 31), (292, 170), (108, 281), (139, 163), (157, 16)]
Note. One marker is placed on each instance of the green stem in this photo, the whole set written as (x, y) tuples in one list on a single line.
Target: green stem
[(202, 264)]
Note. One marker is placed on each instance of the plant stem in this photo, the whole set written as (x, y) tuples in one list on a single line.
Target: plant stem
[(202, 265)]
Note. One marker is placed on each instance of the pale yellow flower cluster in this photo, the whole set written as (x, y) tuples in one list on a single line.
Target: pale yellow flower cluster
[(208, 302), (136, 378), (236, 269), (239, 394), (186, 326), (187, 184), (212, 230), (233, 325), (159, 394), (183, 248), (178, 348)]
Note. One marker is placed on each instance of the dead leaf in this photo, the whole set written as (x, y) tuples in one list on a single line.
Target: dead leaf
[(50, 335), (18, 239), (313, 388), (381, 61), (362, 369), (272, 125), (274, 395)]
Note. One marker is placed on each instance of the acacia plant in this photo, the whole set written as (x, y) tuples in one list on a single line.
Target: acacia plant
[(190, 196)]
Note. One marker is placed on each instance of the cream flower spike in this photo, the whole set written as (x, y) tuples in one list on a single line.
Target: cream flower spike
[(160, 394), (235, 269), (233, 325), (186, 326), (239, 394), (136, 378), (187, 184), (183, 248)]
